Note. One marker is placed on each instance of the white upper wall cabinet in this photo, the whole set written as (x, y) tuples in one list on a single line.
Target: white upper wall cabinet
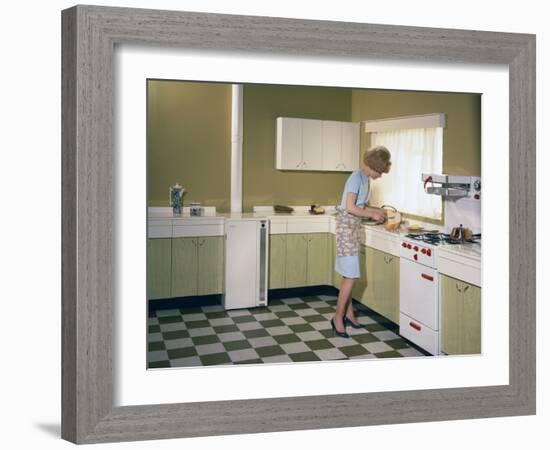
[(323, 145), (332, 145), (350, 145), (289, 137), (312, 153)]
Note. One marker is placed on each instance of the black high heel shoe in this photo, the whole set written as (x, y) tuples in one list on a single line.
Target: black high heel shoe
[(351, 324), (342, 334)]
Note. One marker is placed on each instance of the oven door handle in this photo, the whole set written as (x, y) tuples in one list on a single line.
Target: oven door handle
[(427, 277), (415, 326)]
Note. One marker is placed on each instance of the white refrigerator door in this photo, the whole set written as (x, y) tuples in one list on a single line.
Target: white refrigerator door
[(241, 264)]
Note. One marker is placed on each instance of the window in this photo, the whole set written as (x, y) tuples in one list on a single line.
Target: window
[(414, 150)]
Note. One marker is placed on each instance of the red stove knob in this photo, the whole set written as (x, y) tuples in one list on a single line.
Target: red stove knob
[(423, 250), (477, 196), (416, 248), (409, 245), (415, 256), (404, 245), (429, 252)]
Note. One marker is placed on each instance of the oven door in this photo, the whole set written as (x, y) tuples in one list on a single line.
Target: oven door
[(419, 293)]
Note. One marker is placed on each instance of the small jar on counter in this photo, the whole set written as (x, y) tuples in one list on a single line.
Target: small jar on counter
[(195, 209)]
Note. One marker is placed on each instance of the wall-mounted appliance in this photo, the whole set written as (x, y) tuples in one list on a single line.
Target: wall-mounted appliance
[(454, 186), (246, 262)]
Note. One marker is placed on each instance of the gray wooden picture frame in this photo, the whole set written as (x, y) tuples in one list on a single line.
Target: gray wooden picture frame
[(89, 34)]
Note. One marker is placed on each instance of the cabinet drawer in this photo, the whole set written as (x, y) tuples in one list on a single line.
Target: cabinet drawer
[(162, 231), (419, 292), (381, 240), (461, 268), (277, 227), (420, 334), (308, 226), (199, 229)]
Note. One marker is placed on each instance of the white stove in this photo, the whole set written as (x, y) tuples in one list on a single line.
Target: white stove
[(418, 251), (419, 288)]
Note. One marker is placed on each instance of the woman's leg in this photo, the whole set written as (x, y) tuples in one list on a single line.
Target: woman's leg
[(344, 298), (350, 314)]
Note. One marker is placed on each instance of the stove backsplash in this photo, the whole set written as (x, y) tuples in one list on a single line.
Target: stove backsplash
[(465, 211)]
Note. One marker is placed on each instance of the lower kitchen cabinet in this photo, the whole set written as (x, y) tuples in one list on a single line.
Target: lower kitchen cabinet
[(296, 260), (460, 317), (277, 258), (381, 293), (336, 277), (317, 256), (210, 265), (184, 266), (159, 256), (360, 285)]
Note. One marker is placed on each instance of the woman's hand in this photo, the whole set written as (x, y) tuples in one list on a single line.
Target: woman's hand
[(377, 214), (374, 213)]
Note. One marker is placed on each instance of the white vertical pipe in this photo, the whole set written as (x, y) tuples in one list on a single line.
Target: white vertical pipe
[(237, 148)]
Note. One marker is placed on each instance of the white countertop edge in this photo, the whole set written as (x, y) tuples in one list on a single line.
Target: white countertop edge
[(464, 256), (162, 215)]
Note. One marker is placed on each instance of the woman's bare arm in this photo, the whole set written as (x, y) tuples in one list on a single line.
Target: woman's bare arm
[(352, 208)]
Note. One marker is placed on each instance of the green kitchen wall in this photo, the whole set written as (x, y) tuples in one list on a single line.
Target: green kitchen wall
[(189, 138)]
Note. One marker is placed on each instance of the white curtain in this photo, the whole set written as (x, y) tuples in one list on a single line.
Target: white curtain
[(414, 151)]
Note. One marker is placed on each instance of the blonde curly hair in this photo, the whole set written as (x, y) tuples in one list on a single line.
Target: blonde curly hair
[(378, 159)]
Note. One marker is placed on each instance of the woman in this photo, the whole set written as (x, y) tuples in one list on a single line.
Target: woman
[(376, 161)]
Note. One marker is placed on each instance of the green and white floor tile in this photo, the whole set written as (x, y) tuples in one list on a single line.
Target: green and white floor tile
[(288, 330)]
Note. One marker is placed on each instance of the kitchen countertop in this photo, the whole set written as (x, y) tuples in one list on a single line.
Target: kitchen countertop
[(472, 251), (166, 213)]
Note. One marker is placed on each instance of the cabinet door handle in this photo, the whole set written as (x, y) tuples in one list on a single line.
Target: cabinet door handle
[(201, 243), (427, 277), (465, 288), (388, 259), (457, 288)]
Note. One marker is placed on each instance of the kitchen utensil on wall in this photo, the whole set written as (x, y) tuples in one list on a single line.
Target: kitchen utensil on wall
[(176, 198)]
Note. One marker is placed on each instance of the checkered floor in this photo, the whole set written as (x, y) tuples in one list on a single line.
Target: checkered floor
[(288, 330)]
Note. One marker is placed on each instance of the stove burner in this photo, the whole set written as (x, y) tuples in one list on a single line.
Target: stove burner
[(442, 238)]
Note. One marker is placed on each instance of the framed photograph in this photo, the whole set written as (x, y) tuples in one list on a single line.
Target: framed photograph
[(131, 205)]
